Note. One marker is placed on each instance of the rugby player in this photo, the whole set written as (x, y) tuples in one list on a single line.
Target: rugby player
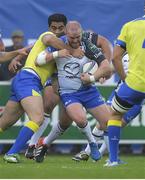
[(75, 95), (129, 116), (132, 91), (26, 93)]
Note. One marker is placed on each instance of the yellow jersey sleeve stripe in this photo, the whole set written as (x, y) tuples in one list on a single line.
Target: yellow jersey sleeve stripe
[(114, 123), (32, 125)]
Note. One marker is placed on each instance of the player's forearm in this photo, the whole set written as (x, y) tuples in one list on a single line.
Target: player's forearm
[(117, 62), (119, 68), (51, 40), (43, 58), (107, 50), (104, 70), (6, 56)]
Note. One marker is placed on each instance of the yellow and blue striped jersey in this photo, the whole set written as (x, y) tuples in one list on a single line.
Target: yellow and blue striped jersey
[(44, 71), (132, 39)]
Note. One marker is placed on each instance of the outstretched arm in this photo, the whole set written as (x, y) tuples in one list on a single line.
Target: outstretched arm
[(6, 56)]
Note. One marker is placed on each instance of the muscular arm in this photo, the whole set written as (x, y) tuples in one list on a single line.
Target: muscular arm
[(117, 61), (51, 40), (106, 47)]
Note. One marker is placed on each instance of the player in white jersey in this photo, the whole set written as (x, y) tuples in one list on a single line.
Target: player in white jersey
[(75, 95)]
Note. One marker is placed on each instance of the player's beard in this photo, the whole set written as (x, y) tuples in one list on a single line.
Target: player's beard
[(74, 45)]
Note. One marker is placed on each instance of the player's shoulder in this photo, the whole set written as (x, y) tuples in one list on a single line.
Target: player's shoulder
[(139, 19), (127, 24), (64, 38), (46, 33), (134, 21)]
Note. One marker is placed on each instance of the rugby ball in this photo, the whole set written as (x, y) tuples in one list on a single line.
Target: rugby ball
[(90, 67)]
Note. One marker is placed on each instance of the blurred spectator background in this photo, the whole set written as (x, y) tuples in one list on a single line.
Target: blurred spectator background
[(17, 38)]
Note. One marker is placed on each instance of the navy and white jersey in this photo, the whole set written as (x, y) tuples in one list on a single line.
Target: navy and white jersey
[(69, 71)]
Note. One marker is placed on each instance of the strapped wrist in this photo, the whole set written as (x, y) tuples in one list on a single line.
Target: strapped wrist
[(55, 54), (92, 79)]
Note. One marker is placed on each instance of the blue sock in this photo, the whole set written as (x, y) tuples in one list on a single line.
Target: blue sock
[(24, 135), (114, 129)]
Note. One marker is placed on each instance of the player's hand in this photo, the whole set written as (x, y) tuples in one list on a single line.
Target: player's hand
[(78, 53), (102, 80), (64, 53), (14, 66), (85, 77), (23, 51)]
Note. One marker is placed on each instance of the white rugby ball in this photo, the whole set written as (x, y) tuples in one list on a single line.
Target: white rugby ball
[(90, 67)]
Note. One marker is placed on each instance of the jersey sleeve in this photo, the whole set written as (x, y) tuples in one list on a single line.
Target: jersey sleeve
[(94, 38), (45, 33), (93, 52), (122, 38)]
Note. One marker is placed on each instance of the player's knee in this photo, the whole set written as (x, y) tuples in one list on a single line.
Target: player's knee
[(81, 121), (79, 118), (64, 126), (49, 105), (103, 126)]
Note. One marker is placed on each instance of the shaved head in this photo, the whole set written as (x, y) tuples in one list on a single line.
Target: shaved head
[(73, 27), (74, 33)]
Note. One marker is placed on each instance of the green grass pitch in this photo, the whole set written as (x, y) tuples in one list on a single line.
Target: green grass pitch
[(62, 167)]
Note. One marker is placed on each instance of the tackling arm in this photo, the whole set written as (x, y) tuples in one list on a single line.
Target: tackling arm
[(51, 40)]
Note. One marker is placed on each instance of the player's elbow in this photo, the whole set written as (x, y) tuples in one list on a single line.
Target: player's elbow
[(48, 39)]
